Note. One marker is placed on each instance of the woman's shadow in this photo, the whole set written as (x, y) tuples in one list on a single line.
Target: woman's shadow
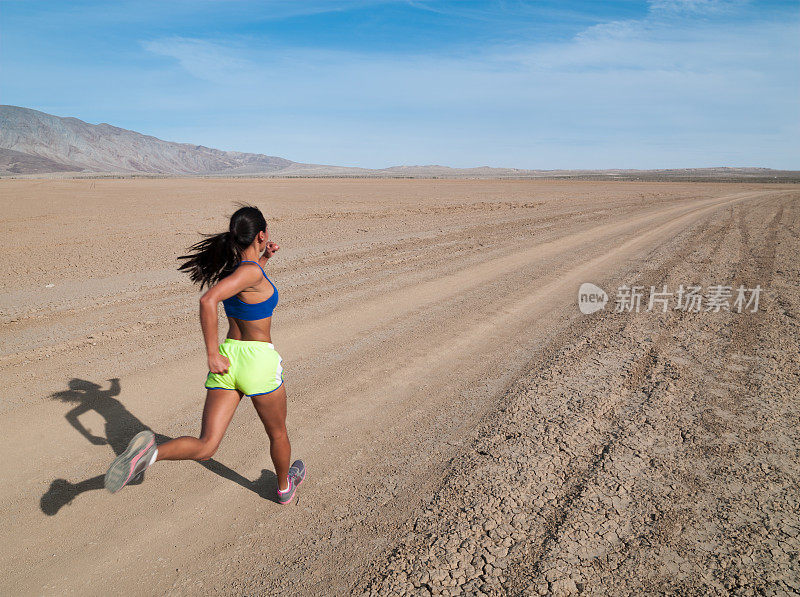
[(120, 426)]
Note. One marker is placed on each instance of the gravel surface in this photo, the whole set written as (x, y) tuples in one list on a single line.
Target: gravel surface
[(658, 452), (464, 426)]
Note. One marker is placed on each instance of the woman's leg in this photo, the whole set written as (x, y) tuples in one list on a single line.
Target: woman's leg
[(217, 415), (271, 409)]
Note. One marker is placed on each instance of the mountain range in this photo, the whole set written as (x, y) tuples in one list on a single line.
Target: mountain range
[(36, 143)]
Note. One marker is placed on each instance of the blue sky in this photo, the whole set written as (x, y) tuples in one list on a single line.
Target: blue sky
[(551, 84)]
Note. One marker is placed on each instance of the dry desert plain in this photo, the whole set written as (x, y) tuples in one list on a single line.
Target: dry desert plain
[(466, 429)]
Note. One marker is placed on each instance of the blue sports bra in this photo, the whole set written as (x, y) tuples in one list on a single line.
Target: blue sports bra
[(236, 307)]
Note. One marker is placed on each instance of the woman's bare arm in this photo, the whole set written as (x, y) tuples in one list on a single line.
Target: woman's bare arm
[(243, 277)]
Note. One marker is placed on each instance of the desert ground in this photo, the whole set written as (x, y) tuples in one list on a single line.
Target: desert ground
[(466, 428)]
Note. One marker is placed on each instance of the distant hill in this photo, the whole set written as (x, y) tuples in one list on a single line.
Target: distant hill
[(16, 162), (69, 144), (33, 142)]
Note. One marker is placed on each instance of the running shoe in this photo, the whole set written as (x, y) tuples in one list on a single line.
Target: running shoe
[(297, 472), (140, 454)]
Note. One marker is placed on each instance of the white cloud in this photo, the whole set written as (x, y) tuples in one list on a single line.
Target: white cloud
[(698, 89), (698, 60), (203, 59), (695, 6)]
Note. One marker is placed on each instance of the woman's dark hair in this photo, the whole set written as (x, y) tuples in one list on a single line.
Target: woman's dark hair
[(217, 255)]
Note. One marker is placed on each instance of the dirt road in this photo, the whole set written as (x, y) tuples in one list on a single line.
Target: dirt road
[(442, 385)]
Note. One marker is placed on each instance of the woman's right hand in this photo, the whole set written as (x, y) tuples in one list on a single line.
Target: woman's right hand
[(271, 249), (218, 363)]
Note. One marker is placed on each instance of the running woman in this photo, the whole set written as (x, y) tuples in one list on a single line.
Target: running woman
[(245, 364)]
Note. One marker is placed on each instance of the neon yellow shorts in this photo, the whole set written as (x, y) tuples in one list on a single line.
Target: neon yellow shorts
[(255, 368)]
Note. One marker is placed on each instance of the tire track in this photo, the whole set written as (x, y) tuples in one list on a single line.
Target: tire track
[(461, 347), (595, 469)]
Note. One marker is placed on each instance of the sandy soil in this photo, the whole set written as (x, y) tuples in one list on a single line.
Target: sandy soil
[(466, 429)]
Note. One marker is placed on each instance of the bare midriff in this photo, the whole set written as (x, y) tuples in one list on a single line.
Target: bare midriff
[(257, 330)]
